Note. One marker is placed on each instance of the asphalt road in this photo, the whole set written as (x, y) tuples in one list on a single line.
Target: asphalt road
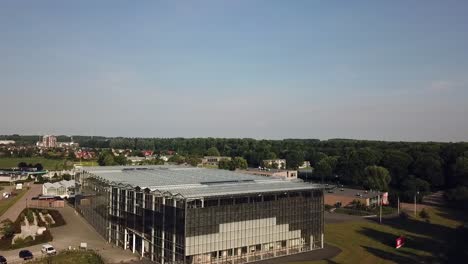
[(13, 212)]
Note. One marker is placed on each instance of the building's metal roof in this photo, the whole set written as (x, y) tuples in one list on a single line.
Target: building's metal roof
[(191, 182), (62, 183)]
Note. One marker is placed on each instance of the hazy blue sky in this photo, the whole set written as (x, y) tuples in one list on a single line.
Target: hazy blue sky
[(391, 70)]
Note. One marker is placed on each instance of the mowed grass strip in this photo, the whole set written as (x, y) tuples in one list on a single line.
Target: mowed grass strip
[(48, 164), (5, 204), (87, 163), (371, 242), (71, 257)]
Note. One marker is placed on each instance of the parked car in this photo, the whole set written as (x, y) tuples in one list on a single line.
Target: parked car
[(48, 249), (25, 254), (3, 260)]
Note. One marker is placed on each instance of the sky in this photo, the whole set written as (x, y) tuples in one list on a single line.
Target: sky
[(379, 70)]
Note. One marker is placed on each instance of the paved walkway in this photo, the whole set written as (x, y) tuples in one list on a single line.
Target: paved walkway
[(77, 230), (13, 212), (326, 253), (331, 218)]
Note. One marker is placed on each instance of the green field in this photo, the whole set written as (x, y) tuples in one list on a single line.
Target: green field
[(49, 164), (71, 257), (370, 242), (87, 163), (7, 203)]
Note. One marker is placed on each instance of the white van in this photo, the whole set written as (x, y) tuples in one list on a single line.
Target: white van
[(48, 249)]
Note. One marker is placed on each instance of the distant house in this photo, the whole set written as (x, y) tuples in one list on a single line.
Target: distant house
[(147, 153), (19, 174), (285, 174), (59, 173), (67, 144), (213, 160), (8, 176), (304, 165), (275, 163), (84, 154), (64, 189), (7, 142)]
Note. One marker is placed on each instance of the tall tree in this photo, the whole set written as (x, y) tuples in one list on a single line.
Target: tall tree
[(429, 168), (294, 159), (397, 162), (213, 151), (376, 178)]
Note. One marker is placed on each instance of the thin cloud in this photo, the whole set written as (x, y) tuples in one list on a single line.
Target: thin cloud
[(442, 86)]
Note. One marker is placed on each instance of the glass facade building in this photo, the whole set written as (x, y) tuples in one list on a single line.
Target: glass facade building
[(192, 215)]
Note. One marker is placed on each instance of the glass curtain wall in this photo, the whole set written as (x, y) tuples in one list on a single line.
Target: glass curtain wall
[(244, 229), (135, 219), (93, 203)]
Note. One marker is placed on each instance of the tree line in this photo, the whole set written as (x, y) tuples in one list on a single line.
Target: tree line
[(405, 168)]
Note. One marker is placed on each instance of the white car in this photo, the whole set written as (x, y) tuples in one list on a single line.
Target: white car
[(48, 249)]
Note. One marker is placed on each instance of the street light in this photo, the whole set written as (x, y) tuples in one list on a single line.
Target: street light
[(417, 193)]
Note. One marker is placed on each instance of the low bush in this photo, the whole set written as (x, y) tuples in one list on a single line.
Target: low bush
[(5, 242), (58, 218), (423, 214), (404, 215), (30, 216), (29, 241)]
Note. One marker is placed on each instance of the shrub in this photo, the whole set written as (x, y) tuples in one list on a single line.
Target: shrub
[(18, 242), (30, 216), (423, 214), (29, 241), (7, 230), (59, 221), (48, 220), (404, 215)]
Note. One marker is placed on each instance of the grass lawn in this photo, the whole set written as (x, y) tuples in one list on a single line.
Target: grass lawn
[(49, 164), (71, 257), (87, 163), (371, 242), (7, 203)]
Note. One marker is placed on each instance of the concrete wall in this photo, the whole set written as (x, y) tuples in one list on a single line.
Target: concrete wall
[(46, 203)]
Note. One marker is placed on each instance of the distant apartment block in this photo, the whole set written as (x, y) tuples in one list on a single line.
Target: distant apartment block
[(275, 163), (285, 174), (213, 160), (48, 141)]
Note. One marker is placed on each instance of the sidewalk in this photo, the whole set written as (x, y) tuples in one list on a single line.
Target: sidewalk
[(13, 212)]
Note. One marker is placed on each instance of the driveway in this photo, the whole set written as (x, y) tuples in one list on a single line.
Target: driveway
[(77, 230), (13, 212)]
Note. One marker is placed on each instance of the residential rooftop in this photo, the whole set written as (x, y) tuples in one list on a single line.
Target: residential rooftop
[(191, 182)]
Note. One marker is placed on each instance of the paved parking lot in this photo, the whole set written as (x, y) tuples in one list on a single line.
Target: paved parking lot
[(77, 230)]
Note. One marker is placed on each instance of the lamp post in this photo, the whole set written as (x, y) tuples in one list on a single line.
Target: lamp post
[(398, 205), (380, 207), (417, 192)]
